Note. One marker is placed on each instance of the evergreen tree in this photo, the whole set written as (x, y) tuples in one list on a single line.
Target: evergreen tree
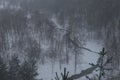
[(64, 75), (3, 70), (29, 70), (103, 66), (14, 68)]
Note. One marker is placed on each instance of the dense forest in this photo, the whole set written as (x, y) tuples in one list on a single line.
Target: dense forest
[(37, 35)]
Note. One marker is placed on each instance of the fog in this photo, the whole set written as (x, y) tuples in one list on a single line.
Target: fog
[(52, 35)]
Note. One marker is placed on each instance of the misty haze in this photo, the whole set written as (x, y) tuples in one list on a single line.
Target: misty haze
[(59, 39)]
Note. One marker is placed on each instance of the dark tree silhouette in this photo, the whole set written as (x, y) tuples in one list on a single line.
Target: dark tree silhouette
[(14, 68), (28, 70), (3, 70)]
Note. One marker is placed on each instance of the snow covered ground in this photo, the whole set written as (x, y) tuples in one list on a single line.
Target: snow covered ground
[(46, 72)]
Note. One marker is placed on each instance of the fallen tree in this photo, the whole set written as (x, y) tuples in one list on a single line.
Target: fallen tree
[(101, 65), (83, 73)]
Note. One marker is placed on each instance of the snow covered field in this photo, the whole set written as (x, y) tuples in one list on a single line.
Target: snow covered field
[(46, 72)]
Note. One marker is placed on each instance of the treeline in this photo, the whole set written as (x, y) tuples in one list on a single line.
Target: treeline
[(24, 33), (99, 19), (17, 70)]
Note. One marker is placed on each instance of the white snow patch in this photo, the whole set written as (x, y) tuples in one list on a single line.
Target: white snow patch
[(46, 73)]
